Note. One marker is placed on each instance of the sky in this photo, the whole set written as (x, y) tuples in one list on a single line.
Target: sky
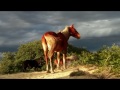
[(97, 28)]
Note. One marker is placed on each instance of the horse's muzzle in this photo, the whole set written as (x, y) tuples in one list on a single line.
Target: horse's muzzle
[(78, 36)]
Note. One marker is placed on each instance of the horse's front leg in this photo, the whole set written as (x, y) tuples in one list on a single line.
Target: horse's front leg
[(58, 59), (64, 60)]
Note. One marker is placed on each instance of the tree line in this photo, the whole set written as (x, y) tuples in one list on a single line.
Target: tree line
[(106, 56)]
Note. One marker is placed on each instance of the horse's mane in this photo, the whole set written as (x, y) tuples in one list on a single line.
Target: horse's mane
[(65, 31)]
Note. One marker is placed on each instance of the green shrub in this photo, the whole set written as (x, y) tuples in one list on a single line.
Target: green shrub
[(11, 62)]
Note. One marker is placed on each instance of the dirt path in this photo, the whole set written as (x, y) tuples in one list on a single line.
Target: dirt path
[(57, 75), (80, 72)]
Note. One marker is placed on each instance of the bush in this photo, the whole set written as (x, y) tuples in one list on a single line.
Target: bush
[(6, 64), (12, 61), (104, 57)]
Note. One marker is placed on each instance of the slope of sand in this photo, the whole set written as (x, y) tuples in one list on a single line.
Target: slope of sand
[(57, 75)]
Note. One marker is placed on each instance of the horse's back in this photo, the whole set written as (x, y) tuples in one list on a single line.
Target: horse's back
[(55, 39), (50, 33), (50, 39)]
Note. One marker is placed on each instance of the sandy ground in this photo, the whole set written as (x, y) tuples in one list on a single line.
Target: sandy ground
[(79, 72), (57, 75)]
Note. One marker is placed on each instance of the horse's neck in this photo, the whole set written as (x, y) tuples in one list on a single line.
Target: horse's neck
[(65, 32)]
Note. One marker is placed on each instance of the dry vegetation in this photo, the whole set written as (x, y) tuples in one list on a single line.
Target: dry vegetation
[(80, 72), (102, 64)]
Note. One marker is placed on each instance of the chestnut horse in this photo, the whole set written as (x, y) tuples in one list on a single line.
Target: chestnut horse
[(56, 62), (68, 59), (57, 42)]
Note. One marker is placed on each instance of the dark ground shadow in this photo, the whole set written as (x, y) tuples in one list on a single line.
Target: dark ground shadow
[(79, 74)]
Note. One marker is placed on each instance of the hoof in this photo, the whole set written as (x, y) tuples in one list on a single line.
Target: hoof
[(62, 69), (58, 68), (47, 71), (52, 72), (65, 68)]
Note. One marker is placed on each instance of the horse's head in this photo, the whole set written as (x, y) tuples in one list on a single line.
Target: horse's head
[(73, 32)]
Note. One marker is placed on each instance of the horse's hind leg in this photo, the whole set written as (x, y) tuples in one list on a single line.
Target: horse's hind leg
[(64, 61), (50, 57), (46, 59), (24, 67), (58, 59), (52, 71), (36, 69), (45, 49)]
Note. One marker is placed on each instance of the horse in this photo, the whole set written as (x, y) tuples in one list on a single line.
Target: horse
[(36, 63), (57, 42), (56, 62), (69, 59)]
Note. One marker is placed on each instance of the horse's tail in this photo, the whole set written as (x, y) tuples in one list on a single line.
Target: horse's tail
[(44, 46), (44, 43)]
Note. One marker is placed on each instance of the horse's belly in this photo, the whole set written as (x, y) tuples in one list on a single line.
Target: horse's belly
[(60, 47), (56, 43)]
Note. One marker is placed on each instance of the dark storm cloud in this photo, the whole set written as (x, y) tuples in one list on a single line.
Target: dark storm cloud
[(96, 43), (96, 28), (10, 48)]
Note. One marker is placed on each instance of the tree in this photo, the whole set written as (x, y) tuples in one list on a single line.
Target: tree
[(7, 62)]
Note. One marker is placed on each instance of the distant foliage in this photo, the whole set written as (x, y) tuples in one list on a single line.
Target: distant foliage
[(110, 57), (104, 57), (7, 62), (73, 49), (11, 62), (29, 50)]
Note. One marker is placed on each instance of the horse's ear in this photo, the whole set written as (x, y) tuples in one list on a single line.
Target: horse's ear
[(72, 25)]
